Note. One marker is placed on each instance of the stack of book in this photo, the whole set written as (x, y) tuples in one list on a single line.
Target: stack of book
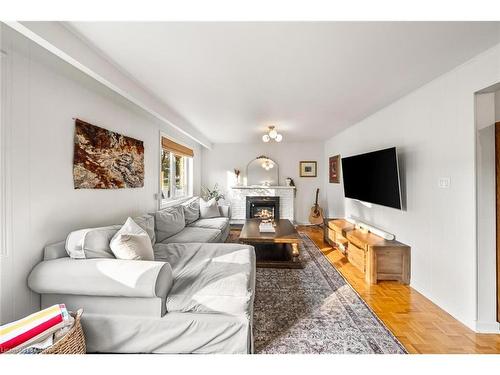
[(266, 227)]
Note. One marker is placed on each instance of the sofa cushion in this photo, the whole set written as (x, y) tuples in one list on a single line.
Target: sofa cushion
[(168, 222), (225, 210), (131, 242), (147, 222), (55, 251), (210, 278), (209, 209), (191, 210), (219, 223), (91, 242), (193, 234)]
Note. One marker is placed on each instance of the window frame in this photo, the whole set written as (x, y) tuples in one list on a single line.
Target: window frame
[(189, 175)]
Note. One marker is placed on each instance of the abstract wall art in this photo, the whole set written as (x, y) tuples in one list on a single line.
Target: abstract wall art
[(334, 173), (106, 160)]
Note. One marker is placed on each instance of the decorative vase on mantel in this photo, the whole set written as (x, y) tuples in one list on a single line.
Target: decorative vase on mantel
[(237, 174)]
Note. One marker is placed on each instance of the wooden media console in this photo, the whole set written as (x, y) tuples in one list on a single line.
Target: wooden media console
[(376, 257)]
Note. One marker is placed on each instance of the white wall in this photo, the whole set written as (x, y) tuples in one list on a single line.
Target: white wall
[(434, 130), (220, 162), (43, 95)]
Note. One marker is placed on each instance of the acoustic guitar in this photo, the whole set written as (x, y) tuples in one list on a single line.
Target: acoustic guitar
[(316, 214)]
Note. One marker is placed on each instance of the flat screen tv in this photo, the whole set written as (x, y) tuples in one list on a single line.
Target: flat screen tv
[(373, 177)]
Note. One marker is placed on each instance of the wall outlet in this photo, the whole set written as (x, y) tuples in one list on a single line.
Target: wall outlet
[(444, 182)]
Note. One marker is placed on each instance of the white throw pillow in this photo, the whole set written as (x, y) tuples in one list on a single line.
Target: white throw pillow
[(209, 209), (132, 242), (147, 222)]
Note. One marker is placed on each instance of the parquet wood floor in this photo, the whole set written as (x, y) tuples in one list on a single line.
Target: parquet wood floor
[(420, 325)]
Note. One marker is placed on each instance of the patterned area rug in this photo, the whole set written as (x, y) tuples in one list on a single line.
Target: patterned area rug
[(314, 310)]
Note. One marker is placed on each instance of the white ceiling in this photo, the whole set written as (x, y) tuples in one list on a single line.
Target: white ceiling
[(230, 80)]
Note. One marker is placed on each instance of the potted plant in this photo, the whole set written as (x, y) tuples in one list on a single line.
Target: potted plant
[(208, 194)]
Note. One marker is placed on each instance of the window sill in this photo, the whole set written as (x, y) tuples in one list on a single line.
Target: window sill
[(165, 203)]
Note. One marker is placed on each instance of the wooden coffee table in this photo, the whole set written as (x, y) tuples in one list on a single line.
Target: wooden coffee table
[(275, 250)]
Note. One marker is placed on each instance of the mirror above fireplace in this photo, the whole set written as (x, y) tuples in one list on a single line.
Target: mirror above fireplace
[(263, 171)]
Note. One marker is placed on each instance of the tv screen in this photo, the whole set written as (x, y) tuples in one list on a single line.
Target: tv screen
[(373, 177)]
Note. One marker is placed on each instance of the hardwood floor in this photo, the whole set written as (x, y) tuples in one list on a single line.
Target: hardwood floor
[(420, 325)]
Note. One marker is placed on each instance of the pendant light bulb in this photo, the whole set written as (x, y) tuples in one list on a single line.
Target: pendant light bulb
[(272, 132)]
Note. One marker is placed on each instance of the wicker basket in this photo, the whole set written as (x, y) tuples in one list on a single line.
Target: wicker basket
[(73, 342)]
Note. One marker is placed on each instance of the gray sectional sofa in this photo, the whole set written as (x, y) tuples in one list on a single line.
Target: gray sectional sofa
[(195, 297)]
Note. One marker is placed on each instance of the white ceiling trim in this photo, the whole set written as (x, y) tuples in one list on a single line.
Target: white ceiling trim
[(133, 93)]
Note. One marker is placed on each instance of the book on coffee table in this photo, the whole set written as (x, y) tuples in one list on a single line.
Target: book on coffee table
[(266, 227)]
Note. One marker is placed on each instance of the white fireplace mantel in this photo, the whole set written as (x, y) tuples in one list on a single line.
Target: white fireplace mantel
[(237, 196), (261, 187)]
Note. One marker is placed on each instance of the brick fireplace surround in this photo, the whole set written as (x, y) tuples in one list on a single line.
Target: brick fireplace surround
[(237, 196)]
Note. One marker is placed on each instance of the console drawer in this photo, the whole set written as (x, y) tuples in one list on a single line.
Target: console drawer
[(354, 240), (340, 226), (341, 242), (331, 235), (356, 256)]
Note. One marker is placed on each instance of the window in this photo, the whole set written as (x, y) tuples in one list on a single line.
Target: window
[(176, 169)]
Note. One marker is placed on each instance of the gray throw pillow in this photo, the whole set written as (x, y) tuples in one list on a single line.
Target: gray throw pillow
[(209, 209), (147, 222), (168, 222), (91, 243), (191, 210)]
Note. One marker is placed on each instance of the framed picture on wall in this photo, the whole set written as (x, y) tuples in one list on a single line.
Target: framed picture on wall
[(334, 163), (308, 169)]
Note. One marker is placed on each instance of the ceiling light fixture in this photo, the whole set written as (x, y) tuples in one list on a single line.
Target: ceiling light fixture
[(272, 135), (267, 164)]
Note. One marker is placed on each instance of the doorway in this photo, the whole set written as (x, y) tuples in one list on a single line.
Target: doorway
[(487, 118), (497, 189)]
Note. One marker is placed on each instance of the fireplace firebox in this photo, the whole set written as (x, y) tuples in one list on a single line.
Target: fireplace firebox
[(262, 207)]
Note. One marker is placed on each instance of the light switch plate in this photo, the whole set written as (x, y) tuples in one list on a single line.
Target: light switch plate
[(444, 182)]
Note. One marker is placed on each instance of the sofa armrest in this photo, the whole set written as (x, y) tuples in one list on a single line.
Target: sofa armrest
[(102, 277), (225, 210)]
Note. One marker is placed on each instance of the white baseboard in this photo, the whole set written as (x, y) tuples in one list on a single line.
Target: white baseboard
[(487, 327)]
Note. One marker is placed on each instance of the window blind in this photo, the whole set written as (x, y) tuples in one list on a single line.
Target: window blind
[(176, 148)]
